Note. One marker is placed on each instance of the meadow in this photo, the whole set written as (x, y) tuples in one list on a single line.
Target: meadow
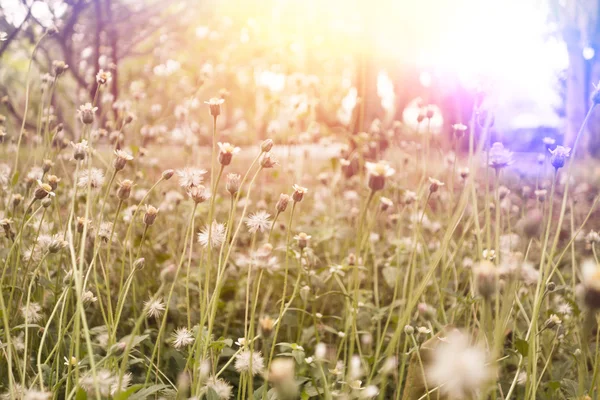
[(386, 264)]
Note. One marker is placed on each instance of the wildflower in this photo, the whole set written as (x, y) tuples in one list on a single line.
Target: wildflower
[(53, 181), (592, 237), (124, 190), (251, 362), (71, 361), (409, 330), (302, 239), (32, 394), (214, 106), (217, 235), (233, 183), (266, 146), (3, 36), (459, 130), (93, 177), (226, 152), (198, 193), (552, 322), (299, 193), (486, 276), (258, 222), (182, 337), (88, 297), (489, 254), (377, 174), (86, 113), (241, 342), (103, 77), (121, 158), (590, 289), (150, 215), (385, 203), (42, 190), (463, 172), (267, 161), (266, 324), (434, 185), (540, 194), (559, 155), (189, 177), (459, 369), (31, 312), (154, 308), (548, 141), (59, 67), (105, 231), (80, 150), (282, 370), (499, 157), (282, 203), (220, 387), (167, 174)]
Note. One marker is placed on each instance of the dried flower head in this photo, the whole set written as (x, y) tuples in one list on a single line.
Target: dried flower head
[(198, 193), (258, 222), (182, 337), (459, 369), (216, 235), (103, 77), (250, 362), (150, 215)]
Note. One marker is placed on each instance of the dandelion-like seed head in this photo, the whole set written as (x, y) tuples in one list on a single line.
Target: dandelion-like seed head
[(258, 222), (182, 337), (216, 235), (250, 362)]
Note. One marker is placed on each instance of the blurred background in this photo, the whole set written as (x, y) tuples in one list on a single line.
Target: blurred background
[(308, 71)]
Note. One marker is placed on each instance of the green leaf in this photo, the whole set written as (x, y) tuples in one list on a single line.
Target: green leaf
[(81, 394), (15, 179), (127, 393), (554, 385), (522, 347), (145, 393)]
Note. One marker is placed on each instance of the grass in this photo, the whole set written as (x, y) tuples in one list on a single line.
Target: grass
[(229, 275)]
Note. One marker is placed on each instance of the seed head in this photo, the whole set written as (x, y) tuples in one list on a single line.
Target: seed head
[(302, 239), (500, 157), (80, 150)]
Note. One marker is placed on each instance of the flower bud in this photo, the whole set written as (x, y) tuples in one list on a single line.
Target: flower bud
[(53, 181), (266, 145), (42, 191), (150, 215), (59, 67), (46, 165), (214, 106), (121, 158), (167, 174), (233, 183), (17, 198), (266, 325), (282, 203), (139, 263), (267, 161)]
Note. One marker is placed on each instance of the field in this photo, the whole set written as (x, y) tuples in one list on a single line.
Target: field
[(394, 263)]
